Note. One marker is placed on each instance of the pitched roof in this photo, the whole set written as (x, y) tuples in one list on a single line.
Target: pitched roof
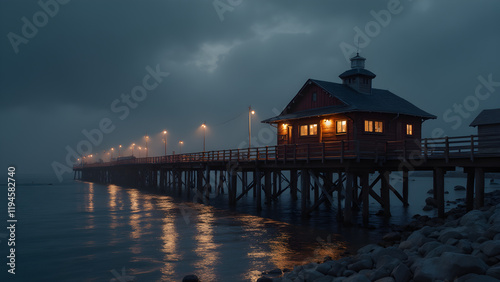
[(491, 116), (380, 101), (359, 71)]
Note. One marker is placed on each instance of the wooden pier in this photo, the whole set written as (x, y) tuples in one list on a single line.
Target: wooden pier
[(312, 173)]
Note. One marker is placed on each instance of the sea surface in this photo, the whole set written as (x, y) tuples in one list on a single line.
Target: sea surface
[(81, 231)]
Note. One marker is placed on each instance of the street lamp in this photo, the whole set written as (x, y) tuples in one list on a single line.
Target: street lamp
[(165, 140), (147, 138), (119, 150), (140, 149), (204, 134), (112, 150), (250, 113), (133, 145), (180, 146)]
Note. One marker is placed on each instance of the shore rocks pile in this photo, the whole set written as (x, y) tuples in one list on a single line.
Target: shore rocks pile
[(464, 247)]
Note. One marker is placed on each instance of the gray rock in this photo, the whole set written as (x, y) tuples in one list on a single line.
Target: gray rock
[(337, 270), (427, 247), (275, 271), (465, 246), (312, 275), (497, 237), (449, 234), (491, 248), (451, 242), (369, 248), (311, 265), (265, 279), (441, 249), (387, 262), (379, 273), (471, 277), (494, 271), (348, 273), (386, 279), (190, 278), (324, 268), (427, 208), (402, 273), (415, 240), (325, 279), (357, 278), (492, 231), (430, 201), (390, 251), (393, 236), (473, 217), (459, 188), (339, 279), (365, 263), (448, 266)]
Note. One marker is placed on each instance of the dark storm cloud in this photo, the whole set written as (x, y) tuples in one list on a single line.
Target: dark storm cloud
[(65, 79)]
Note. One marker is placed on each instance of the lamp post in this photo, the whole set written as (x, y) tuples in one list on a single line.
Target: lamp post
[(119, 150), (250, 113), (165, 140), (180, 146), (204, 134), (112, 150), (147, 138), (133, 145), (140, 149)]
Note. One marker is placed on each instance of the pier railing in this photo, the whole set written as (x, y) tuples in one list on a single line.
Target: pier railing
[(429, 148)]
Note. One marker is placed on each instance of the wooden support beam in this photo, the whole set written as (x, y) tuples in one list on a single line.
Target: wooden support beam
[(267, 186), (305, 186), (339, 196), (384, 192), (348, 198), (479, 175), (469, 200), (440, 190), (365, 195), (396, 193), (233, 187), (207, 186), (405, 188), (275, 183), (293, 184), (258, 188)]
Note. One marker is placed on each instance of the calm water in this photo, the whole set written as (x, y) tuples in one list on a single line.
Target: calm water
[(81, 231)]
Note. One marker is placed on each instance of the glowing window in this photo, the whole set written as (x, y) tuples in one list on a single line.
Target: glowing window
[(378, 127), (313, 129), (341, 126), (368, 126), (409, 129), (303, 130)]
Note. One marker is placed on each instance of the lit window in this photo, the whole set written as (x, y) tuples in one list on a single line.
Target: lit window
[(314, 97), (341, 126), (409, 129), (378, 127), (313, 129), (374, 126), (368, 126), (303, 130)]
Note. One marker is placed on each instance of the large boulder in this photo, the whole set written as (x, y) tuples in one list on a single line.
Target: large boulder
[(491, 248), (427, 247), (494, 271), (473, 217), (449, 234), (441, 249), (402, 273), (357, 278), (414, 241), (448, 267), (389, 251)]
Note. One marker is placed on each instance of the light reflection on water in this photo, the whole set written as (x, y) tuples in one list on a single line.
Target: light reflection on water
[(88, 229)]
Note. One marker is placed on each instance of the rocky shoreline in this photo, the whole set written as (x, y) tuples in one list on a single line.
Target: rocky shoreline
[(461, 247)]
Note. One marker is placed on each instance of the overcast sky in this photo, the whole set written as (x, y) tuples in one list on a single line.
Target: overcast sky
[(65, 67)]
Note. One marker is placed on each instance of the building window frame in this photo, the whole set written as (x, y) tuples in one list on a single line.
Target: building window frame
[(313, 129), (304, 130), (374, 126), (409, 129), (314, 97), (341, 126)]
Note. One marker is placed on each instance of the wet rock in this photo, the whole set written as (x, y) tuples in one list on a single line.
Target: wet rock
[(427, 208), (427, 247), (442, 249), (265, 279), (337, 270), (276, 271), (366, 263), (348, 273), (471, 277), (449, 234), (312, 275), (415, 240), (325, 279), (459, 188), (386, 279), (494, 271), (402, 273), (448, 266), (490, 248), (357, 278), (431, 191), (465, 246), (324, 268), (473, 217), (190, 278), (368, 249)]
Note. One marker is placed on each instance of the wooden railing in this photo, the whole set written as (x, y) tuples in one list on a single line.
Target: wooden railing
[(447, 147)]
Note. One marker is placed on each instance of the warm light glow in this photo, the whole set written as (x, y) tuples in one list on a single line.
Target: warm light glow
[(112, 149), (133, 144), (164, 132), (120, 146), (253, 112), (328, 122), (181, 142), (204, 125), (139, 148), (285, 126)]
